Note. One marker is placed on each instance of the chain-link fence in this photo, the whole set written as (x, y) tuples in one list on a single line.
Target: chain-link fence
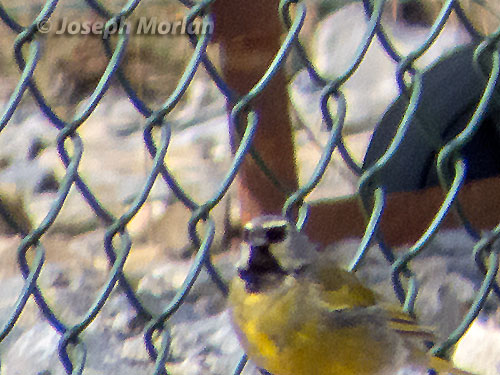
[(411, 129)]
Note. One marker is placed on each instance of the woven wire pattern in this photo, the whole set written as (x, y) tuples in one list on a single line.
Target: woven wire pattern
[(157, 131)]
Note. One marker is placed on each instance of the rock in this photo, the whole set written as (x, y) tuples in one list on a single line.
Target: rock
[(74, 218), (372, 87), (35, 148), (207, 346), (165, 221), (338, 180), (33, 351), (133, 351), (202, 103), (10, 291), (124, 119), (53, 276), (47, 183), (15, 218), (27, 128), (28, 176), (479, 349)]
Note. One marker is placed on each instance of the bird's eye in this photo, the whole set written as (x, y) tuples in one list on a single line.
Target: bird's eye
[(246, 235), (276, 234)]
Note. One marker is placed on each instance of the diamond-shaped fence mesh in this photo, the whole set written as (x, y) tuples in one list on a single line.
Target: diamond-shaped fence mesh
[(419, 116)]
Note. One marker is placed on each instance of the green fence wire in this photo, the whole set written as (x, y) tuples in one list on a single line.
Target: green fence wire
[(452, 169)]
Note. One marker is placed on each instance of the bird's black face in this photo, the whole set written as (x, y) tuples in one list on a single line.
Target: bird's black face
[(262, 268)]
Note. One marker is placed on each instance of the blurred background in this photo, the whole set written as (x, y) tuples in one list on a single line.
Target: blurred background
[(115, 165)]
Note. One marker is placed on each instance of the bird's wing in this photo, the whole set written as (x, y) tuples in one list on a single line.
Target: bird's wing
[(346, 302), (341, 289), (404, 324)]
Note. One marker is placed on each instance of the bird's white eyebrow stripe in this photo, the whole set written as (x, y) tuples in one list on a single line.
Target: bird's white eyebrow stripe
[(251, 225), (266, 225)]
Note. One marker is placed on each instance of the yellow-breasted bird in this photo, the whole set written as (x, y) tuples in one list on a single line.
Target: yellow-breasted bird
[(297, 313)]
